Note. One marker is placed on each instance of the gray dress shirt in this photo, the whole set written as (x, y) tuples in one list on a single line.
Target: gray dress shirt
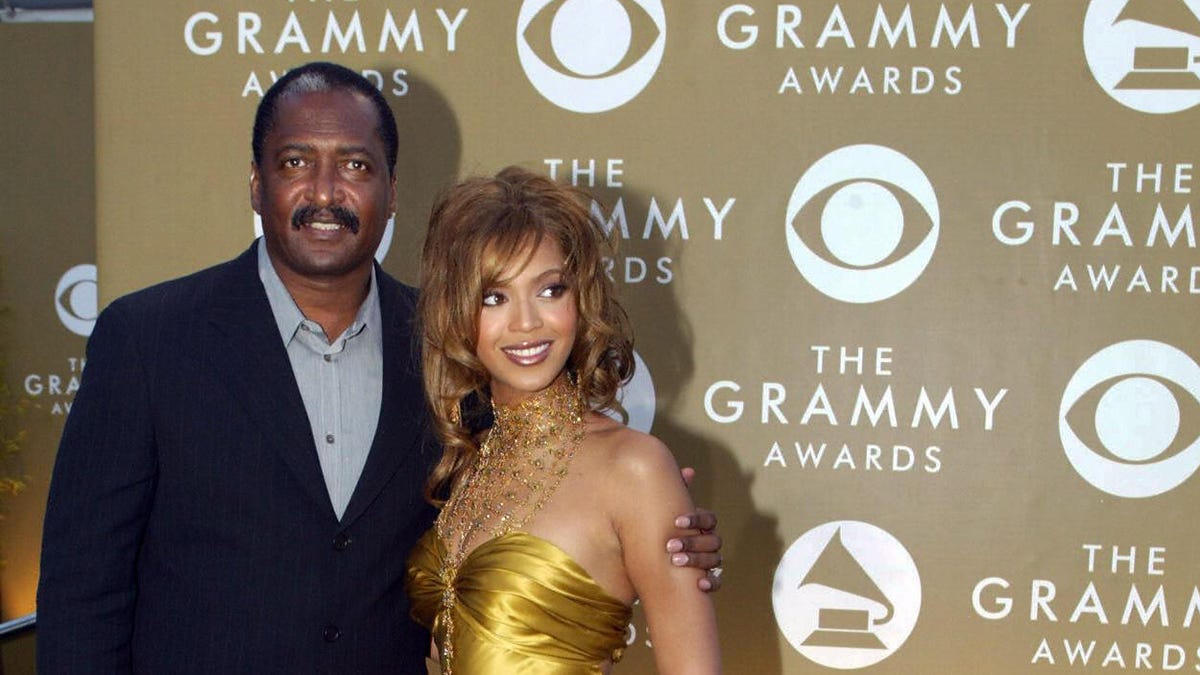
[(341, 381)]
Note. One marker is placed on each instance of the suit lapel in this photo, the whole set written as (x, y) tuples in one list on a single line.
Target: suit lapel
[(399, 434), (252, 361)]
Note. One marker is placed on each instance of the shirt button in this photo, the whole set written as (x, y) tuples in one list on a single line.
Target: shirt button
[(331, 633), (328, 438), (304, 327), (328, 358), (342, 541)]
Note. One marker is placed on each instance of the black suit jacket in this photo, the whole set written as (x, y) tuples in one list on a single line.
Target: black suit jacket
[(188, 528)]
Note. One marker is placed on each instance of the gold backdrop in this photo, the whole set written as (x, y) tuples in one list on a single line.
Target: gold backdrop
[(914, 283), (47, 274)]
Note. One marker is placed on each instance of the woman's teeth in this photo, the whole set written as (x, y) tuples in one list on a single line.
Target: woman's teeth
[(526, 352)]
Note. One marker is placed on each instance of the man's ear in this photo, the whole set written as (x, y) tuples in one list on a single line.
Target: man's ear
[(255, 189), (392, 198)]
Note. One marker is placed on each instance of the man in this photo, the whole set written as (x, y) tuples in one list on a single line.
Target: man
[(240, 479)]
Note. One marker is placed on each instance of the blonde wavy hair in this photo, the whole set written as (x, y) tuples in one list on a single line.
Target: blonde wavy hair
[(478, 229)]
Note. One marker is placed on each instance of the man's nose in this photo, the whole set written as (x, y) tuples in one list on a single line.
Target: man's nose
[(325, 189)]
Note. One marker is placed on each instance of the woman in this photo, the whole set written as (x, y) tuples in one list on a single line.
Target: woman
[(554, 518)]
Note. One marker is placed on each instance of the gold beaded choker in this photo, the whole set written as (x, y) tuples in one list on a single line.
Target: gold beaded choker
[(519, 466)]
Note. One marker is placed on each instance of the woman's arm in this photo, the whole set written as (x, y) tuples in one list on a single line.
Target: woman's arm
[(646, 492)]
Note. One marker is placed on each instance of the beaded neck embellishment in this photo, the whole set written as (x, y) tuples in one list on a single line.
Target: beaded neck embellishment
[(519, 466)]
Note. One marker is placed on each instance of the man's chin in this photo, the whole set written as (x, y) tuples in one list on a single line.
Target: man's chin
[(332, 269), (313, 265)]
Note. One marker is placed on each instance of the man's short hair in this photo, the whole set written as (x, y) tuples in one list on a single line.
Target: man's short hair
[(324, 76)]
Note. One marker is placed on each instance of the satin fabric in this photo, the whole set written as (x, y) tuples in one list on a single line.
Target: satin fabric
[(523, 606)]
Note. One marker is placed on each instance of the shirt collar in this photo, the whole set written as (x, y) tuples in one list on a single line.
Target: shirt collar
[(288, 316)]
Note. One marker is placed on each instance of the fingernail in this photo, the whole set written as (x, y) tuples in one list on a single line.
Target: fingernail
[(683, 521), (705, 585), (674, 546), (679, 559)]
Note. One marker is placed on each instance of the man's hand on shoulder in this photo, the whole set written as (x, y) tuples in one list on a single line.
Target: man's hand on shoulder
[(702, 550)]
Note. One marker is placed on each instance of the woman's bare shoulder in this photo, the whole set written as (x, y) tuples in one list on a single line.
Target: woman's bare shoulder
[(630, 453)]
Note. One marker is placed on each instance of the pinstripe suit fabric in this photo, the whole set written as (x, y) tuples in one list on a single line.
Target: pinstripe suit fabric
[(189, 529)]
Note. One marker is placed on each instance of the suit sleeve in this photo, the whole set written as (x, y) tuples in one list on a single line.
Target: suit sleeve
[(101, 493)]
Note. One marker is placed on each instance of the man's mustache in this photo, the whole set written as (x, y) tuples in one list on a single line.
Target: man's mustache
[(330, 214)]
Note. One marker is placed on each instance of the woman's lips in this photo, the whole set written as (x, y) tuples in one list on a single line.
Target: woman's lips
[(528, 353)]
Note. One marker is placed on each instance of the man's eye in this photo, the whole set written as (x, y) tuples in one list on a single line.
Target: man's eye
[(357, 165), (293, 162)]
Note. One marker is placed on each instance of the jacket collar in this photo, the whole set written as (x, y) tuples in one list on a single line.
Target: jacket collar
[(253, 360)]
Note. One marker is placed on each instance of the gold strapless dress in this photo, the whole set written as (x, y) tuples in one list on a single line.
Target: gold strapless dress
[(523, 606)]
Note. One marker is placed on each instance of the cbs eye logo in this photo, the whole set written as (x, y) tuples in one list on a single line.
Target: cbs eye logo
[(591, 56), (846, 594), (873, 197), (637, 399), (380, 253), (75, 299), (1121, 423), (1144, 53)]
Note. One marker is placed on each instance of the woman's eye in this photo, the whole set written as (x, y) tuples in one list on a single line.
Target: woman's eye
[(554, 291), (492, 298)]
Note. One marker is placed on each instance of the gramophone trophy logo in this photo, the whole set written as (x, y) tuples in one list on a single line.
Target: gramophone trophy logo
[(1145, 53), (846, 594)]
